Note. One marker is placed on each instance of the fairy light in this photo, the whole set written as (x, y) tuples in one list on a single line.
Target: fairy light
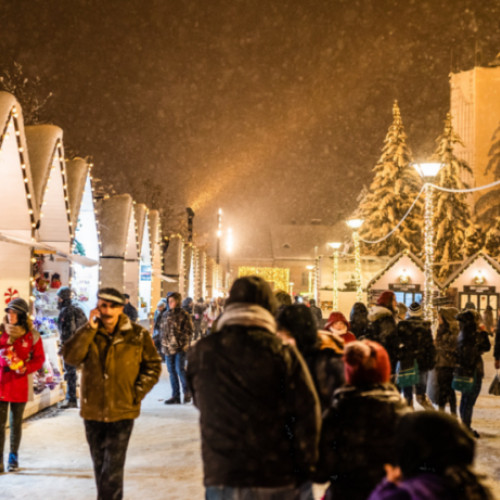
[(355, 224), (429, 252), (335, 300)]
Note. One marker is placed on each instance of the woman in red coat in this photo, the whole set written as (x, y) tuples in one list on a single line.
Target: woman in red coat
[(21, 353)]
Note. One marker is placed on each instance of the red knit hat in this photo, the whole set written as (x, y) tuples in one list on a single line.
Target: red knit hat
[(365, 363), (386, 299), (334, 317)]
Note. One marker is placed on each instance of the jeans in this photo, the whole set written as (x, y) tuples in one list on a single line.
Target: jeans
[(70, 378), (303, 492), (16, 425), (446, 393), (108, 442), (176, 366), (468, 400)]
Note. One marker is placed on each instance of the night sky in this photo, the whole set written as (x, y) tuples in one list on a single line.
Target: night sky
[(274, 110)]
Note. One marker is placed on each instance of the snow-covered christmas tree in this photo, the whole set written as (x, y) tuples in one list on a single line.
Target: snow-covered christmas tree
[(492, 243), (494, 154), (452, 214), (391, 193), (474, 238)]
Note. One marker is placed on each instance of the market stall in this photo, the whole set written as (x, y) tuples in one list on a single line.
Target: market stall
[(145, 270), (156, 256), (84, 280)]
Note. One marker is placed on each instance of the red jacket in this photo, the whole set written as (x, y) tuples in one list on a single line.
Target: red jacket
[(29, 348)]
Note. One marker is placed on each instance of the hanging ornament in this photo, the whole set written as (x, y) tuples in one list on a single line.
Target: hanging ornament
[(10, 294)]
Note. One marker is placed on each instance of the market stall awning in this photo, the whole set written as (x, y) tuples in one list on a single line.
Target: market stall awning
[(164, 277), (42, 247)]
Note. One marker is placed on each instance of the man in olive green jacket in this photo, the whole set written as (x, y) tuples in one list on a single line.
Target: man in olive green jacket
[(120, 365)]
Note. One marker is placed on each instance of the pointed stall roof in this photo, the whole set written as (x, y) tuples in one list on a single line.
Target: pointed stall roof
[(77, 171), (114, 221), (11, 118), (471, 260)]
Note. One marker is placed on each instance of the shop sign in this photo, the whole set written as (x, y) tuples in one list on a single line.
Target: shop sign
[(479, 289), (404, 287)]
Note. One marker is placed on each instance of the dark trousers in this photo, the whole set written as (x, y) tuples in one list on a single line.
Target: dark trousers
[(176, 366), (446, 394), (16, 425), (70, 378), (108, 442), (468, 400)]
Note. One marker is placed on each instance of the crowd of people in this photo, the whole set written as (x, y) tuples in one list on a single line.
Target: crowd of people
[(286, 397)]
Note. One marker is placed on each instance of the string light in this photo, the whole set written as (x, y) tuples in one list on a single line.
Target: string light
[(278, 275), (429, 252)]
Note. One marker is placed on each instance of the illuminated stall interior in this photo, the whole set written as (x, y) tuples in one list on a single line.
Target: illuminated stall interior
[(145, 273)]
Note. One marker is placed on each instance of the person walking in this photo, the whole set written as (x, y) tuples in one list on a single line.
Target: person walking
[(199, 309), (120, 366), (317, 313), (446, 357), (357, 430), (130, 309), (21, 353), (177, 332), (415, 344), (212, 312), (473, 342), (70, 318), (259, 412), (160, 308)]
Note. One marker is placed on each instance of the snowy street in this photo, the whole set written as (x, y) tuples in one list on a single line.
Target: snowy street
[(163, 459)]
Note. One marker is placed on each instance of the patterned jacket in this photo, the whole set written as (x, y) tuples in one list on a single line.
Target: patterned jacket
[(176, 327), (70, 319)]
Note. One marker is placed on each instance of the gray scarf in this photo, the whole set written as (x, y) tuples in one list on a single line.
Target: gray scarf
[(247, 315)]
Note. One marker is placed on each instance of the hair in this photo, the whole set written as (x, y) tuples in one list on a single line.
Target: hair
[(366, 363), (252, 290), (386, 299), (22, 319), (283, 298), (177, 297), (299, 321)]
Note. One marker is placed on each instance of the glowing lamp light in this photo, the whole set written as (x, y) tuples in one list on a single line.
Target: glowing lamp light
[(479, 277), (310, 268), (335, 245), (404, 277), (428, 170), (355, 223)]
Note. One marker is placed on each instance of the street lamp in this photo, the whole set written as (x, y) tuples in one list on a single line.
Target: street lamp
[(310, 280), (290, 288), (355, 224), (428, 172), (335, 301), (218, 284), (229, 250)]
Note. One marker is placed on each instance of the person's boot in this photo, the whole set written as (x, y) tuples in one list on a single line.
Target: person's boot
[(187, 398), (2, 468), (424, 402), (173, 401), (68, 403), (13, 462)]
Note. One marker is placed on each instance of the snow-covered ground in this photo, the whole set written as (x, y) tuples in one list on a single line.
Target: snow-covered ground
[(163, 460)]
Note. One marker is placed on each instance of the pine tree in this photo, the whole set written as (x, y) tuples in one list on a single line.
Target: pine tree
[(392, 191), (474, 239), (492, 243), (494, 154), (452, 214)]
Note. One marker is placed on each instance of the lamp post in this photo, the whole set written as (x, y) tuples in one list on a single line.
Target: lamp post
[(428, 172), (335, 301), (310, 280), (290, 288), (355, 224), (217, 254), (229, 250)]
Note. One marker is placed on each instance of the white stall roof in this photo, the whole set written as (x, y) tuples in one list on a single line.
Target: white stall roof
[(117, 226), (476, 258), (77, 171)]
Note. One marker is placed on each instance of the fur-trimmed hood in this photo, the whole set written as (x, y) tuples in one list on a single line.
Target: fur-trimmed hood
[(377, 312)]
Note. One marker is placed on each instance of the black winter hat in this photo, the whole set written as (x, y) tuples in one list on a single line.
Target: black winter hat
[(415, 310), (111, 295), (64, 293), (252, 290), (18, 305)]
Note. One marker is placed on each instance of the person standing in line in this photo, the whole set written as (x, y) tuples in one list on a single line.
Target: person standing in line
[(129, 309), (488, 321), (70, 318), (21, 353), (358, 320), (402, 311), (120, 366), (212, 312), (259, 411), (446, 357), (177, 332), (338, 324), (316, 312), (199, 309), (160, 308), (473, 342)]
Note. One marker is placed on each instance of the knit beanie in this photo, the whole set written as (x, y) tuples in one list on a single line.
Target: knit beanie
[(334, 317), (415, 310), (18, 305), (252, 290), (366, 363), (386, 299), (470, 306)]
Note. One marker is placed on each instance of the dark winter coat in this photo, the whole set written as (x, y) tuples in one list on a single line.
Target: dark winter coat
[(70, 318), (259, 412), (317, 315), (118, 370), (496, 353), (176, 328), (358, 320), (327, 370), (356, 439), (382, 329), (131, 312), (472, 343), (415, 343), (446, 345), (29, 348)]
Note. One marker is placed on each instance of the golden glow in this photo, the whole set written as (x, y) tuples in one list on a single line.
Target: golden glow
[(278, 276)]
